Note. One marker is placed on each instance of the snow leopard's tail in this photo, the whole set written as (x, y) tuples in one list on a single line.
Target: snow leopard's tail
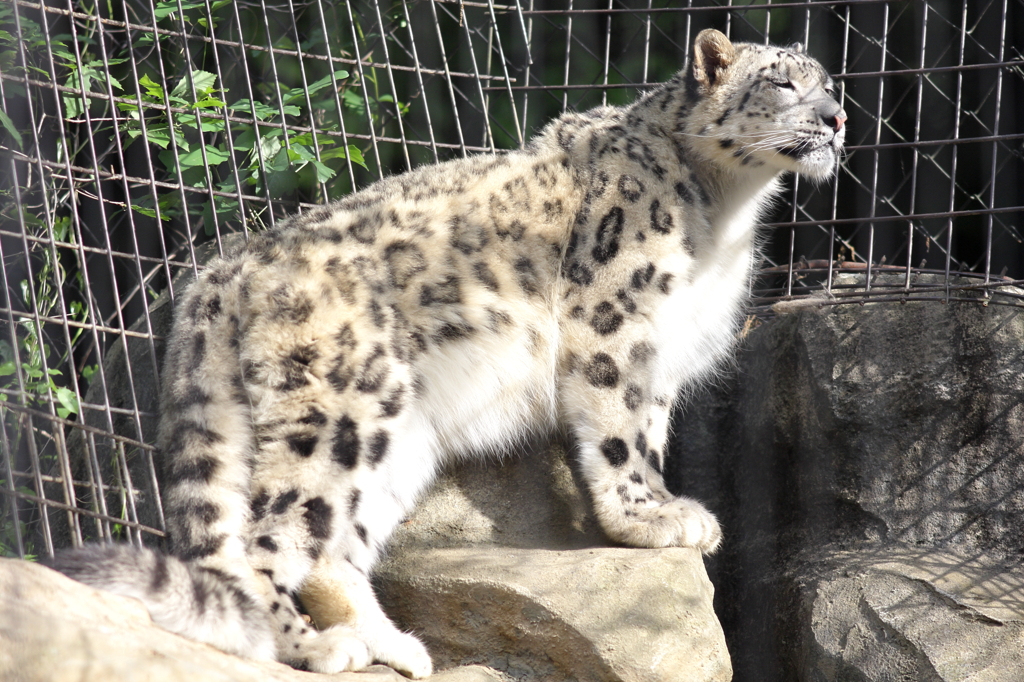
[(202, 604)]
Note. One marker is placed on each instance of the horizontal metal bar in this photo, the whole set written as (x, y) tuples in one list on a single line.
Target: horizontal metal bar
[(76, 425), (711, 8), (766, 311), (896, 218), (84, 512), (64, 321), (91, 249), (837, 76)]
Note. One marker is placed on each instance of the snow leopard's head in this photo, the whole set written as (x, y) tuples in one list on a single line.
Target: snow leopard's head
[(760, 105)]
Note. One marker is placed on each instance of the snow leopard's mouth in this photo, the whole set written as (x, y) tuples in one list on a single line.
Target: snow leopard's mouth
[(805, 148)]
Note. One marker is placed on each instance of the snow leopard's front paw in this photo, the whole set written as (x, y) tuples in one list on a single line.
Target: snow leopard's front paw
[(402, 651), (337, 649), (675, 522)]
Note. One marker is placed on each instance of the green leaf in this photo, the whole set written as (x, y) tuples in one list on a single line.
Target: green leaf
[(356, 155), (158, 135), (89, 371), (68, 399), (316, 86), (214, 157), (353, 100), (299, 152), (209, 103), (8, 124), (149, 212), (153, 89), (169, 7), (203, 82), (209, 123), (75, 104), (351, 152), (323, 173), (263, 111)]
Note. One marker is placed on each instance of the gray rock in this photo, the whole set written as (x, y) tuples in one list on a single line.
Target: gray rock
[(503, 565), (53, 629), (854, 428), (929, 616)]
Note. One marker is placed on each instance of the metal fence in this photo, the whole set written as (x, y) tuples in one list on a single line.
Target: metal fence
[(136, 135)]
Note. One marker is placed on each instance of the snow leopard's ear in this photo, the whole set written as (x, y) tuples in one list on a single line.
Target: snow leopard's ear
[(712, 55), (797, 47)]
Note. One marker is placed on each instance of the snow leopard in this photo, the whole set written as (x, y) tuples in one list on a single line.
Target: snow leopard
[(317, 378)]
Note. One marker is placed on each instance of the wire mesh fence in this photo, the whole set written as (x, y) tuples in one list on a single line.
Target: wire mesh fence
[(137, 137)]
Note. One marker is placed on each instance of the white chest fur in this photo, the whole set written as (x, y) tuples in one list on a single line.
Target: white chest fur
[(695, 325)]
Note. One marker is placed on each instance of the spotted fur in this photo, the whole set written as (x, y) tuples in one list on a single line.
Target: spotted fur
[(317, 378)]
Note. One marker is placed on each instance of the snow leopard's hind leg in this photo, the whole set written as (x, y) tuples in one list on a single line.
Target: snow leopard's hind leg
[(340, 598)]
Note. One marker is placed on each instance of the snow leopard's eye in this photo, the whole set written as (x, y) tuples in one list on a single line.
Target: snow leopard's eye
[(781, 82)]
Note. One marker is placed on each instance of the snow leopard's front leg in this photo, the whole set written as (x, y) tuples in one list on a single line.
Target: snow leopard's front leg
[(341, 602), (621, 426)]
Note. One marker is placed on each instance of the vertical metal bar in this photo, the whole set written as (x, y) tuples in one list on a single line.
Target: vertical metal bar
[(8, 454), (995, 147), (336, 89), (305, 91), (391, 81), (159, 226), (199, 124), (480, 87), (877, 153), (489, 69), (568, 52), (956, 136), (647, 41), (504, 70), (366, 95), (527, 32), (915, 152), (526, 73), (607, 55), (143, 125), (835, 185), (132, 233), (257, 148), (172, 146), (419, 79), (227, 124), (448, 79)]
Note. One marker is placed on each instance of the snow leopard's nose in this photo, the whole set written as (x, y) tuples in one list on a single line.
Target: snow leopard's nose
[(832, 115)]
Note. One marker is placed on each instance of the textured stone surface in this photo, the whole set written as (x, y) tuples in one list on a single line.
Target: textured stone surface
[(503, 565), (601, 614), (54, 629), (918, 615), (854, 428)]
